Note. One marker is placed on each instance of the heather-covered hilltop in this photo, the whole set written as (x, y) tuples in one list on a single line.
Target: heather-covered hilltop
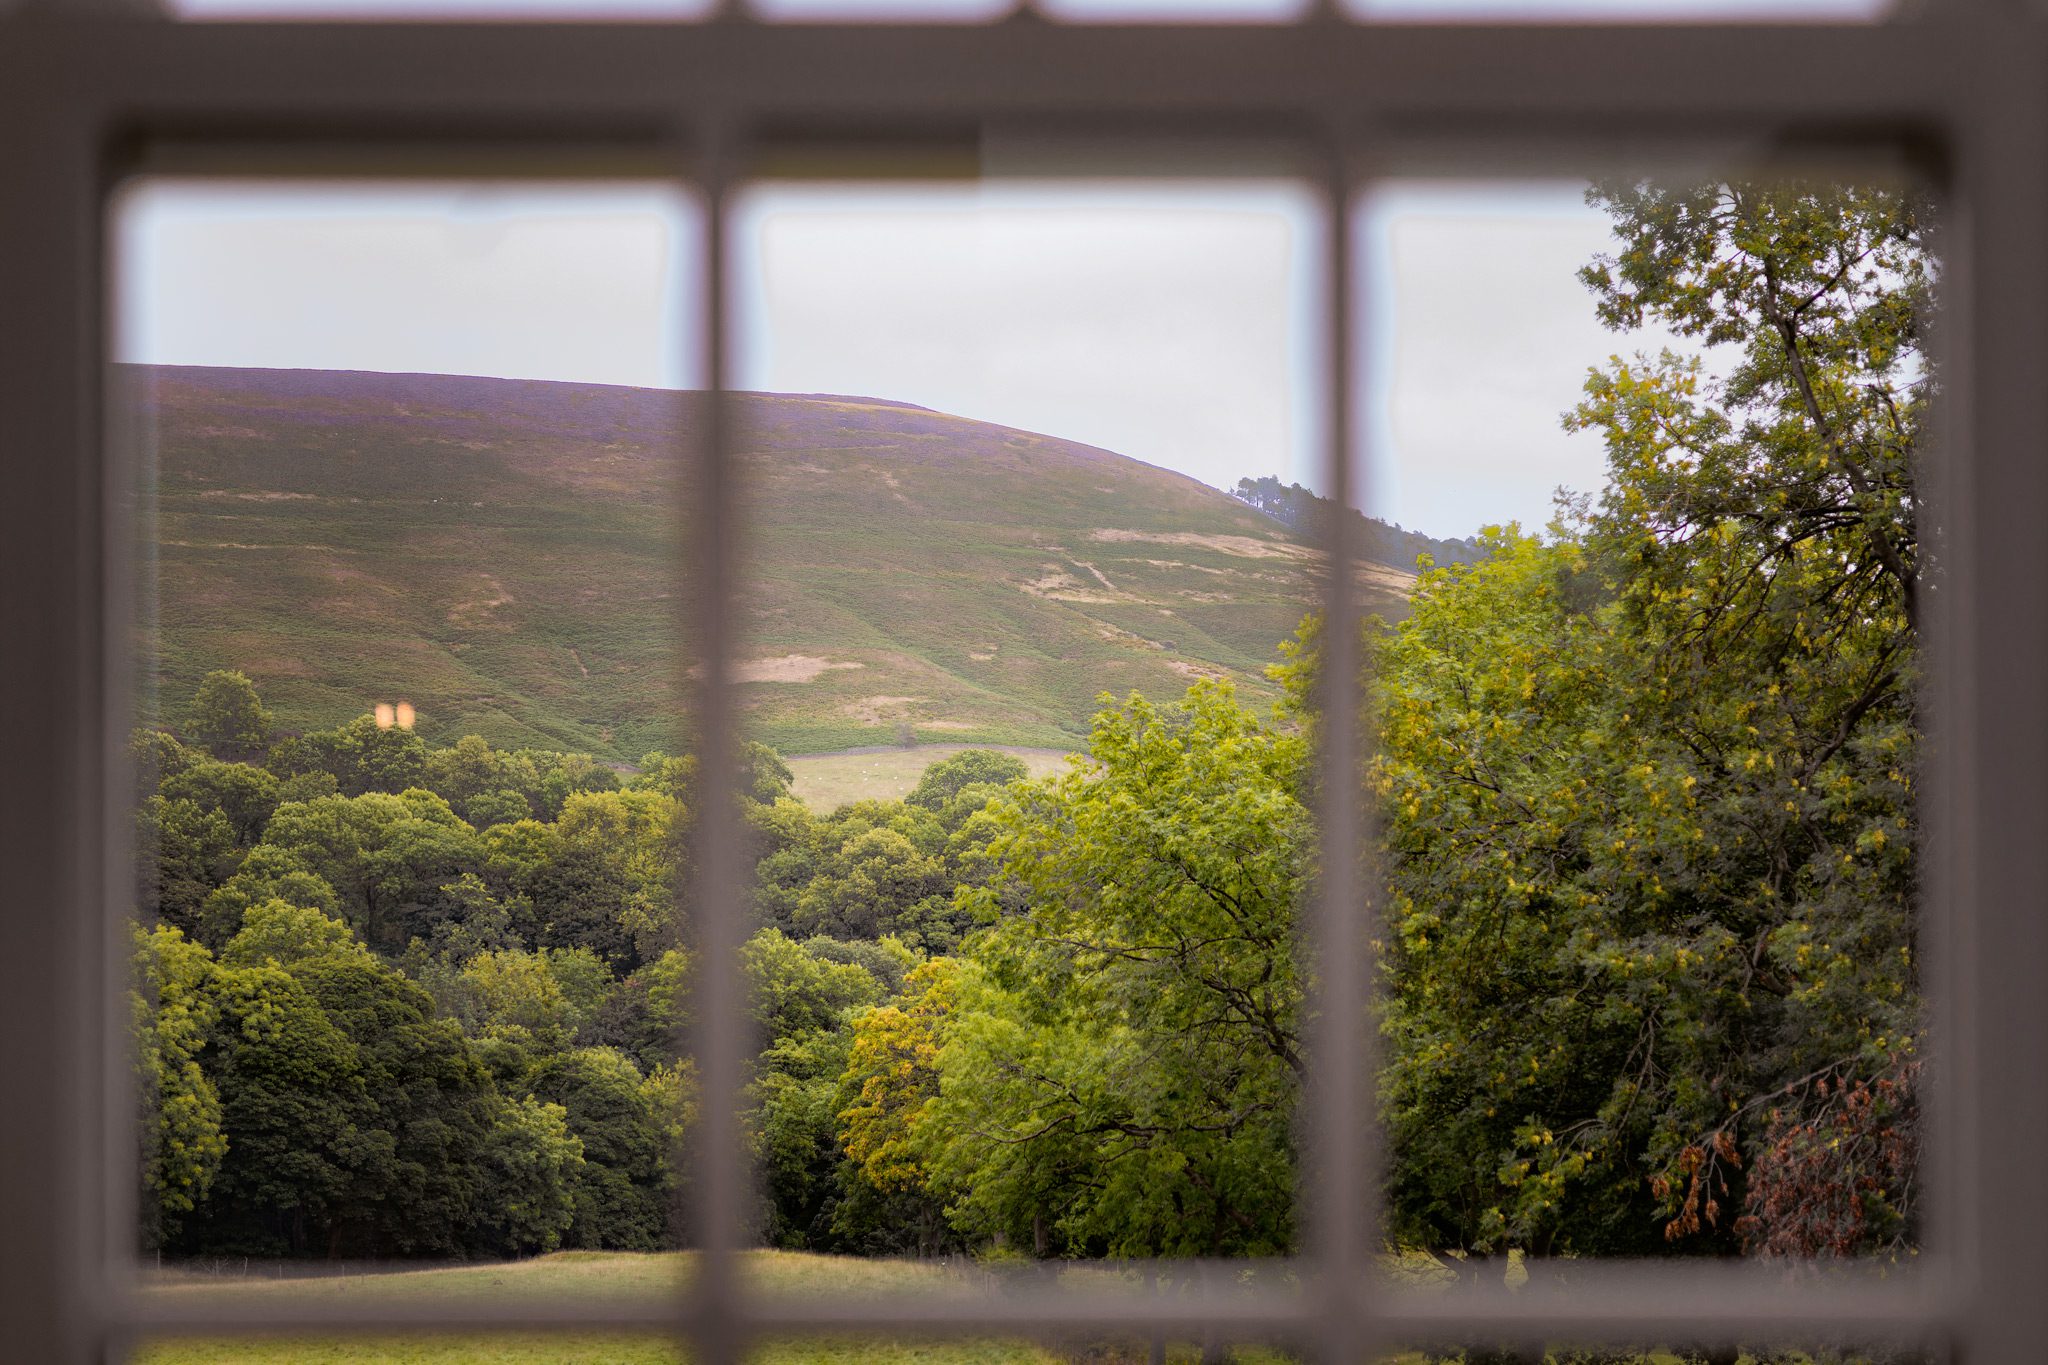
[(508, 555)]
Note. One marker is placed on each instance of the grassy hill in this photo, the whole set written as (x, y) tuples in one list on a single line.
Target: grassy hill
[(508, 555)]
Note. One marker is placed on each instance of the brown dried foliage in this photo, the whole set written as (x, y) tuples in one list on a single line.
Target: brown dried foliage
[(1834, 1173)]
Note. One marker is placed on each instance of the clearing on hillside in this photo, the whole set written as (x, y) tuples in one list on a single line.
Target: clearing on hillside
[(825, 782)]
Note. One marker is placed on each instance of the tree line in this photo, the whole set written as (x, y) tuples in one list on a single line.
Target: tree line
[(1308, 514), (400, 1000)]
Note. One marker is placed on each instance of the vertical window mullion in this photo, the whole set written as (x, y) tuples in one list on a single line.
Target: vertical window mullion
[(719, 1176), (1334, 1193), (53, 551), (1998, 657)]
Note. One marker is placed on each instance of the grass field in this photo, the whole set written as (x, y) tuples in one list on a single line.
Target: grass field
[(627, 1276), (607, 1276), (825, 782), (508, 555)]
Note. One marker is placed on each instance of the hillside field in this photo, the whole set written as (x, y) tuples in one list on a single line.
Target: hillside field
[(508, 556), (825, 782)]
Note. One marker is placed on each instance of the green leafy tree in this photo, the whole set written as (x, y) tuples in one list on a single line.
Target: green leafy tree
[(171, 1012), (943, 780), (1649, 788), (512, 994), (607, 880), (268, 873), (887, 1090), (293, 1108), (561, 776), (498, 808), (889, 960), (794, 992), (793, 1121), (532, 1166), (790, 844), (156, 756), (279, 934), (760, 775), (387, 857), (645, 1016), (306, 786), (417, 1170), (476, 922), (622, 1201), (184, 853), (359, 756), (879, 882), (585, 979), (1119, 1070), (227, 718), (670, 1091), (514, 856), (245, 795), (470, 771), (763, 776)]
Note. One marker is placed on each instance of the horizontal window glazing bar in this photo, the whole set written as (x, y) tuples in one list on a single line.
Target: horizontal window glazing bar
[(557, 81)]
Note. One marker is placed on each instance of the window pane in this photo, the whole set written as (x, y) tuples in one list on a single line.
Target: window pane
[(409, 755), (1855, 1351), (1623, 11), (882, 11), (1009, 630), (1650, 731), (425, 1349), (1054, 1349), (1177, 11), (440, 9)]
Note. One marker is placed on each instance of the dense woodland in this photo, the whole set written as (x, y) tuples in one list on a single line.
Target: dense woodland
[(1646, 788)]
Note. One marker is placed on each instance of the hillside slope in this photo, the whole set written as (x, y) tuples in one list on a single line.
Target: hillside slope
[(508, 555)]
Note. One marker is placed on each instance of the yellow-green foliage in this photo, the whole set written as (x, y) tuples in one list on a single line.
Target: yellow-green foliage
[(894, 1068)]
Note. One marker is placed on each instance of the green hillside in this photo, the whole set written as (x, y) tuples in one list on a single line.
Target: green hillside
[(507, 555)]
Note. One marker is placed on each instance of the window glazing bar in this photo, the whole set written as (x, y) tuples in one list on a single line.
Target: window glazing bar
[(54, 748), (1991, 909), (554, 80), (720, 1180), (1339, 1214), (1609, 1300)]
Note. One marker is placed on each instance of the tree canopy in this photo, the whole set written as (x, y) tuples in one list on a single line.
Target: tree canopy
[(1648, 784)]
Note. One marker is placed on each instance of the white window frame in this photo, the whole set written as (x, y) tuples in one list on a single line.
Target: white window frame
[(88, 93)]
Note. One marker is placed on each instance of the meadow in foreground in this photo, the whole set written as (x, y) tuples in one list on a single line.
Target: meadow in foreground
[(587, 1276)]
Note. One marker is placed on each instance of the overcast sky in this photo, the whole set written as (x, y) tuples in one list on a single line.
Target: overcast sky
[(1172, 323)]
